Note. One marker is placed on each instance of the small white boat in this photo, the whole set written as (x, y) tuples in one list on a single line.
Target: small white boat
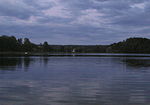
[(74, 50), (26, 53)]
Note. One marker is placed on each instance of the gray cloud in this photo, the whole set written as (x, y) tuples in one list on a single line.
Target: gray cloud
[(75, 21), (15, 9)]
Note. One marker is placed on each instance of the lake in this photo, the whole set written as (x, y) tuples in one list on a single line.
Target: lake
[(74, 80)]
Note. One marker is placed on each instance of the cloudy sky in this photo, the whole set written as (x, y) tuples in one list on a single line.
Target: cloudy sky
[(75, 21)]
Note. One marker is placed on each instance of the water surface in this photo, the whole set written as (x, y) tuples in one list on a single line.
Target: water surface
[(74, 81)]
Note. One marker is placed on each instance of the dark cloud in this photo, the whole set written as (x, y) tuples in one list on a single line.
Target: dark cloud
[(38, 5), (75, 21), (12, 9)]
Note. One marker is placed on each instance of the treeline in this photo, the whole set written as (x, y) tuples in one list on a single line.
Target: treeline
[(130, 45), (79, 48), (12, 44)]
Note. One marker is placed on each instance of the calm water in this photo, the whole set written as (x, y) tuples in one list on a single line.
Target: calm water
[(75, 81)]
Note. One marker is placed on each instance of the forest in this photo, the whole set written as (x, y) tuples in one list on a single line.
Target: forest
[(130, 45)]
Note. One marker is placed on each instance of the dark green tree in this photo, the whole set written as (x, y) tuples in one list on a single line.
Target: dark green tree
[(28, 46), (46, 47)]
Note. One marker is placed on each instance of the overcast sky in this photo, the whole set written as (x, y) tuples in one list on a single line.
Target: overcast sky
[(75, 21)]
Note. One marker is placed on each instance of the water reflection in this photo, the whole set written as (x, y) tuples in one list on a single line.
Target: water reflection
[(134, 62), (6, 63), (11, 63), (19, 62), (16, 63), (75, 81), (45, 59)]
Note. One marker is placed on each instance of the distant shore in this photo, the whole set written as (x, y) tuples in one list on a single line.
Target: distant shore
[(9, 54), (11, 45)]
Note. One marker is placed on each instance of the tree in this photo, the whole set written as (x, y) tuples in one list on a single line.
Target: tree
[(27, 41), (8, 43), (132, 45), (46, 47), (28, 46), (20, 41)]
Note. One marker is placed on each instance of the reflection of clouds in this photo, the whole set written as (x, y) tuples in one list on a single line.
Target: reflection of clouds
[(21, 92), (75, 81), (137, 96), (89, 89), (56, 94), (130, 88)]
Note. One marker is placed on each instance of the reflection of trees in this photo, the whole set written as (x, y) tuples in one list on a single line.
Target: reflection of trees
[(45, 60), (137, 62), (11, 63), (27, 62)]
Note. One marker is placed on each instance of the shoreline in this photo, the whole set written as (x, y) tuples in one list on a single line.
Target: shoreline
[(5, 54)]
